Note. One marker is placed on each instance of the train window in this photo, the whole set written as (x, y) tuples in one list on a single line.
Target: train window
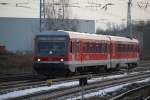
[(77, 47), (91, 47), (97, 47), (124, 48), (128, 48), (134, 47), (51, 47), (119, 48), (87, 47), (131, 48), (103, 47), (115, 47), (84, 47)]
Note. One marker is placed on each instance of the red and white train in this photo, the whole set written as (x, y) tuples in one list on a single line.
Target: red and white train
[(62, 52)]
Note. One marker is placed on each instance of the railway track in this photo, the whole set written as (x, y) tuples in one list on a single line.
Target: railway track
[(132, 93), (6, 87), (64, 92), (20, 85), (147, 98), (37, 82)]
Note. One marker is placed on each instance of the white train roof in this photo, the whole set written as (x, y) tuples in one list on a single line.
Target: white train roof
[(123, 39), (101, 37), (88, 36), (78, 35)]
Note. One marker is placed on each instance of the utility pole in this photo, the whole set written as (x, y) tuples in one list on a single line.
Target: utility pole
[(42, 16), (129, 22)]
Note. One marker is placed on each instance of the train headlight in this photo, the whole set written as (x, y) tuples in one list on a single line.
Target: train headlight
[(61, 60), (38, 59)]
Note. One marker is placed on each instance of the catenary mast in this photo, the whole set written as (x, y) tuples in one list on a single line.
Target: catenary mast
[(129, 22)]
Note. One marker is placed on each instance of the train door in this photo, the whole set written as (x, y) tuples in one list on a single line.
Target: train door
[(77, 52), (109, 45)]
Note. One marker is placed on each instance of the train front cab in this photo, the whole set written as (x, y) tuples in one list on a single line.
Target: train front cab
[(51, 55)]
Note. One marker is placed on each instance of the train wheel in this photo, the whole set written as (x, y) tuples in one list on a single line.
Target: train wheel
[(135, 64), (130, 66), (117, 67)]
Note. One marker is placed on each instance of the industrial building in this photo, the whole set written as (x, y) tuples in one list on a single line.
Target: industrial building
[(17, 29)]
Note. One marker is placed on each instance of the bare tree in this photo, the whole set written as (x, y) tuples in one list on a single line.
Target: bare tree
[(57, 13)]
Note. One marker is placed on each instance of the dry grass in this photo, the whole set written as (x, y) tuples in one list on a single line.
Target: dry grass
[(13, 63)]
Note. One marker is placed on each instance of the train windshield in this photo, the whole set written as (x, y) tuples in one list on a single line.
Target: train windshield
[(52, 46)]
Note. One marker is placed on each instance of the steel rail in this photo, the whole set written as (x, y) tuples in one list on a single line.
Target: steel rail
[(147, 98)]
